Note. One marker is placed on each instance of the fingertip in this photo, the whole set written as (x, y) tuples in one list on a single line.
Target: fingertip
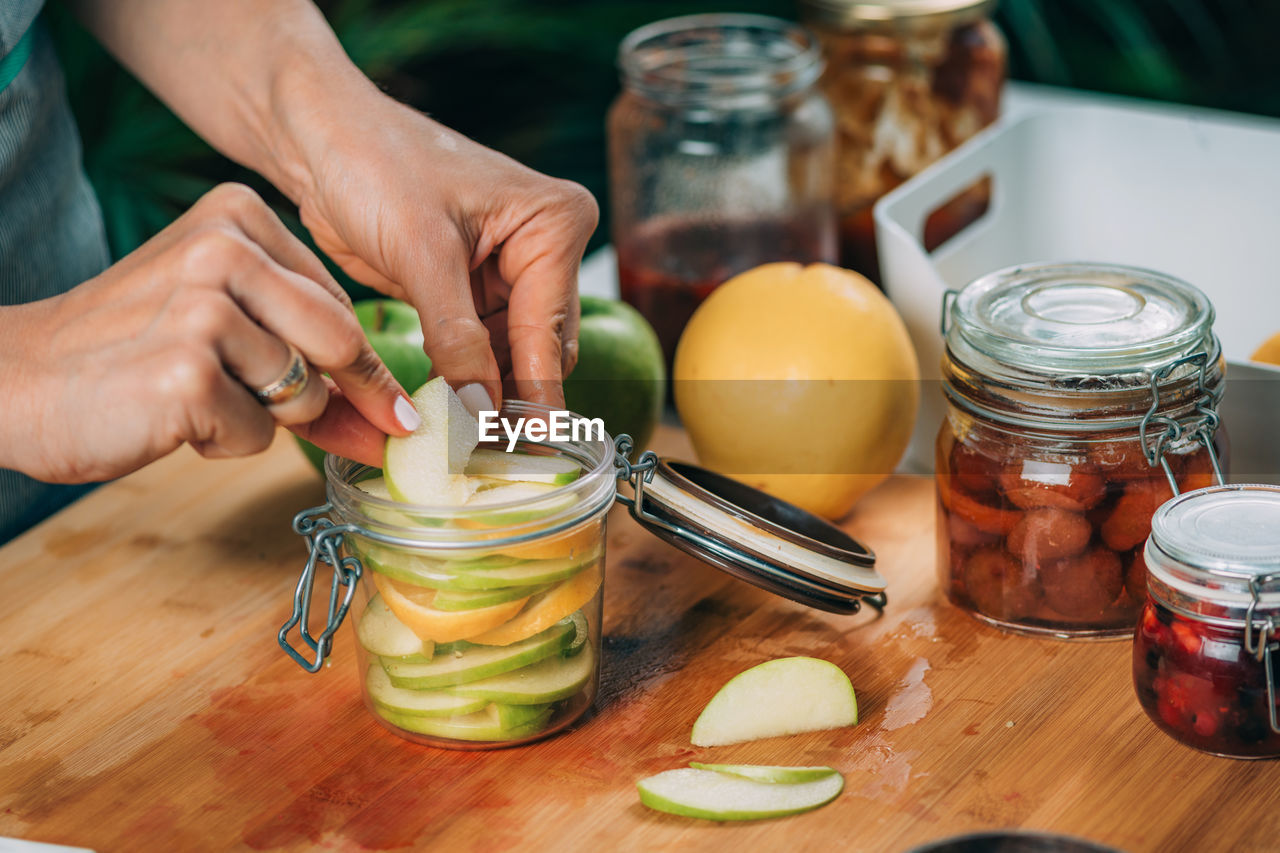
[(406, 415)]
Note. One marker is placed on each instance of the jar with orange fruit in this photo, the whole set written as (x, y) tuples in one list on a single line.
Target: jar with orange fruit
[(477, 625), (1081, 398)]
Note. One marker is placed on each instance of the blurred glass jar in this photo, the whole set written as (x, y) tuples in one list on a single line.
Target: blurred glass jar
[(721, 158), (909, 80)]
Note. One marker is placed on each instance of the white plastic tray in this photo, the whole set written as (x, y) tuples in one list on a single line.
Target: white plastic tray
[(1194, 193)]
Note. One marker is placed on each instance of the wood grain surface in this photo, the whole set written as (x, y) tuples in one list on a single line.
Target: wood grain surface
[(145, 705)]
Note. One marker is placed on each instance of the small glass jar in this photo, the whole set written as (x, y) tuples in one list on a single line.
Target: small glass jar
[(478, 626), (721, 158), (908, 81), (1203, 656), (1080, 398)]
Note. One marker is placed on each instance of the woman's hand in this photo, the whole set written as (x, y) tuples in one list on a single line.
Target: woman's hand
[(165, 346), (485, 248)]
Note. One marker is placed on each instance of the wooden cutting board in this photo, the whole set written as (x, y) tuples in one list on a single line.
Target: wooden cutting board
[(145, 705)]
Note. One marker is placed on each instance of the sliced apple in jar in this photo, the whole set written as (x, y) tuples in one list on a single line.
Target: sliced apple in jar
[(530, 502), (713, 795), (416, 571), (483, 725), (412, 606), (416, 703), (381, 633), (472, 599), (549, 680), (476, 662), (545, 610), (522, 467), (779, 697)]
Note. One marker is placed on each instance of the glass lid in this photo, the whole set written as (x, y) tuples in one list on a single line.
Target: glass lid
[(1100, 319), (1220, 544), (754, 536)]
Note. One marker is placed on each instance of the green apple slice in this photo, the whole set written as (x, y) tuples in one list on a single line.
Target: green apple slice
[(548, 680), (721, 796), (377, 487), (381, 633), (514, 716), (530, 509), (479, 662), (778, 697), (426, 467), (416, 703), (522, 467), (420, 572), (482, 725), (470, 599), (579, 641), (767, 773)]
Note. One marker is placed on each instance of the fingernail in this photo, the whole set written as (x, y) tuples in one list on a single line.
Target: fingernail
[(407, 415), (475, 398)]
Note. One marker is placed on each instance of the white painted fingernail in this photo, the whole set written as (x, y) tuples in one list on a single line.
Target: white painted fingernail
[(475, 398), (407, 415)]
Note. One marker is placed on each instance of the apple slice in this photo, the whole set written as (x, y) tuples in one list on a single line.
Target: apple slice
[(477, 662), (778, 697), (545, 610), (714, 795), (482, 725), (417, 571), (412, 606), (470, 599), (767, 773), (416, 703), (381, 633), (530, 510), (522, 467), (548, 680), (426, 467)]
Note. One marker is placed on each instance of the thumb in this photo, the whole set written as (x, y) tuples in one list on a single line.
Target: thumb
[(458, 343)]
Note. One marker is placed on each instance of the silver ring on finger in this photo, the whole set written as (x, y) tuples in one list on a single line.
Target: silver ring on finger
[(291, 383)]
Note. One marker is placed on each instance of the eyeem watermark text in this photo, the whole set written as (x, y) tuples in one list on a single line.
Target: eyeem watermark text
[(558, 425)]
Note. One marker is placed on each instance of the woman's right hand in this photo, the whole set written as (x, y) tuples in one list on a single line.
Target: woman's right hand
[(163, 348)]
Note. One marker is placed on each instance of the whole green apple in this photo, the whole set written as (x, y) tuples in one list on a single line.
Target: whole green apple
[(621, 376), (395, 333)]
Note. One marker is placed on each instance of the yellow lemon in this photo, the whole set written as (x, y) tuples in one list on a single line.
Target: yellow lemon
[(1269, 352), (800, 381)]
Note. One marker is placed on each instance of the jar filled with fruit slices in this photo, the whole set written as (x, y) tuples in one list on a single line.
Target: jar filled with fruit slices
[(1080, 398), (476, 614), (472, 572), (1206, 648)]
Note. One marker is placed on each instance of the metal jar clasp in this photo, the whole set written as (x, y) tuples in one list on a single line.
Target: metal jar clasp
[(324, 540), (1201, 423)]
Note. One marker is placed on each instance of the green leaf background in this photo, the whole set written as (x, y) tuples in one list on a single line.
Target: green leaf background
[(533, 79)]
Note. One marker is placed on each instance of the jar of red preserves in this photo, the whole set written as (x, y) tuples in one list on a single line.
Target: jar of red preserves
[(1080, 398), (1204, 654), (909, 80), (721, 158)]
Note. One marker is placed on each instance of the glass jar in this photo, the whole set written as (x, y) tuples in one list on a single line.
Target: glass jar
[(478, 626), (1203, 662), (908, 81), (1080, 398), (721, 158)]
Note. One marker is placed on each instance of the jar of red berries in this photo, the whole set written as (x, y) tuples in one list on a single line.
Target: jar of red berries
[(1081, 397), (1205, 651)]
